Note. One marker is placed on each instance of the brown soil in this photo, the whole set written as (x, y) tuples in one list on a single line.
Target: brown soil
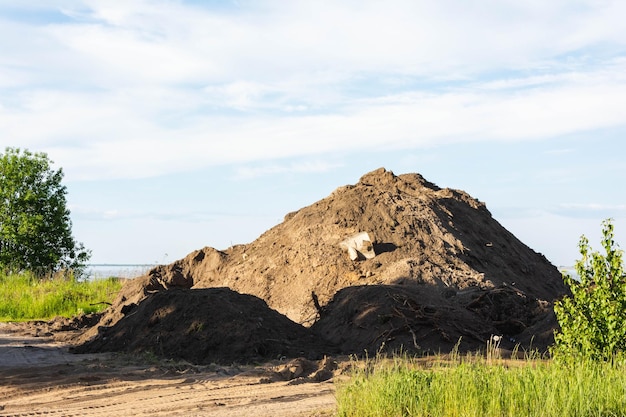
[(210, 325), (38, 376), (444, 270)]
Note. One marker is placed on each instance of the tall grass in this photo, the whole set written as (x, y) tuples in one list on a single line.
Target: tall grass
[(481, 388), (26, 297)]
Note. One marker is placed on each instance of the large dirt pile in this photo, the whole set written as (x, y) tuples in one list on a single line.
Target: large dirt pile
[(443, 269), (213, 325)]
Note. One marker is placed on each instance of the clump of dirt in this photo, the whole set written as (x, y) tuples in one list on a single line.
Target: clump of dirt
[(300, 370), (213, 325), (443, 269)]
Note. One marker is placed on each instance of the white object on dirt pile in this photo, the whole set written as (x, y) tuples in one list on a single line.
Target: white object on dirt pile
[(359, 246)]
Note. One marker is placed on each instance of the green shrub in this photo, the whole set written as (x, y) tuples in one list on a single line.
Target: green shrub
[(592, 320)]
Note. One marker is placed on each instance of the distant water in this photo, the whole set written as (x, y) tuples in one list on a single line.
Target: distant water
[(96, 271), (570, 270)]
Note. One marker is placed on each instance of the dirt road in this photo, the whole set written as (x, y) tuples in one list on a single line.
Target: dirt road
[(41, 377)]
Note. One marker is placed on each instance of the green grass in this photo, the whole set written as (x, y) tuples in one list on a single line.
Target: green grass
[(484, 388), (25, 297)]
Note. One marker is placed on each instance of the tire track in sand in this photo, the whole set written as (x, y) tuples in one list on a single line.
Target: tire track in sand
[(239, 395)]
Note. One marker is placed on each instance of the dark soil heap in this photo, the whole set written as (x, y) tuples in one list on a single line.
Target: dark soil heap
[(444, 269), (213, 325)]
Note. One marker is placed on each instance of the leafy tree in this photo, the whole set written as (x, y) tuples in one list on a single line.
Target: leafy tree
[(593, 318), (35, 225)]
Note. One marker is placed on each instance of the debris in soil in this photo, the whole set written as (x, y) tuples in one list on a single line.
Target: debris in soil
[(426, 319), (300, 370), (359, 247), (438, 268)]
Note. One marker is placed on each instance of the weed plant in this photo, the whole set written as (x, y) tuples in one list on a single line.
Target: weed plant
[(483, 386), (25, 296)]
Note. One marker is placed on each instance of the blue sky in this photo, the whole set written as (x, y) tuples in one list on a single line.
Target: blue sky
[(183, 124)]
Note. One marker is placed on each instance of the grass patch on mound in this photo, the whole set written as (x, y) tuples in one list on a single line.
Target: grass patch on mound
[(483, 387), (25, 297)]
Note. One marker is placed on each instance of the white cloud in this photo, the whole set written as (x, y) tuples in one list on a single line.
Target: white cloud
[(144, 133), (110, 214), (84, 213), (136, 89), (165, 41), (593, 207), (313, 166)]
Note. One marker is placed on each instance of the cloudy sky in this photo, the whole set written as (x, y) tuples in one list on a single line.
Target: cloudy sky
[(183, 124)]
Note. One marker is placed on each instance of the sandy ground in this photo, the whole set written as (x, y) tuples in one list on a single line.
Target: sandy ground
[(41, 377)]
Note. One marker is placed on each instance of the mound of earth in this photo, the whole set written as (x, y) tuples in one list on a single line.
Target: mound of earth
[(213, 325), (437, 267), (378, 318), (422, 234)]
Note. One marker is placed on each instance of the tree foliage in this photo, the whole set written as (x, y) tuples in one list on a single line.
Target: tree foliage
[(35, 225), (592, 320)]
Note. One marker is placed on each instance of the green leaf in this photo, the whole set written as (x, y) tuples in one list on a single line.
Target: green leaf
[(592, 319)]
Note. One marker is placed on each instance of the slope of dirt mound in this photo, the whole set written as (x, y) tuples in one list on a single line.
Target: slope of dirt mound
[(440, 268), (423, 235), (398, 317), (214, 325)]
